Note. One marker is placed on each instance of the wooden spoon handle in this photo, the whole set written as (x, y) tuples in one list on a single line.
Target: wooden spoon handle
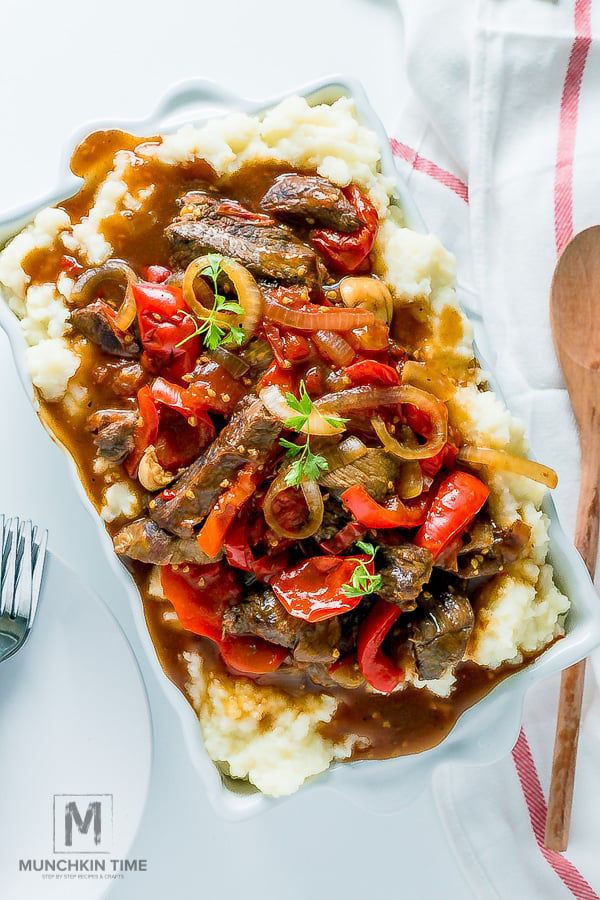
[(558, 820)]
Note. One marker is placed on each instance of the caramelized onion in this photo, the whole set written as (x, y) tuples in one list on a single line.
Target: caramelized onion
[(409, 483), (421, 376), (502, 461), (248, 293), (273, 398), (366, 397), (408, 450), (116, 270), (234, 365), (316, 317), (334, 347), (344, 453), (314, 502)]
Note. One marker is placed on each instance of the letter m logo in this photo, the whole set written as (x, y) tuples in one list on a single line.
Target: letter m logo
[(82, 823)]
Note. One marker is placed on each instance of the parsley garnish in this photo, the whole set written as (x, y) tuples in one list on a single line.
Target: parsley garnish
[(306, 464), (213, 334), (362, 582)]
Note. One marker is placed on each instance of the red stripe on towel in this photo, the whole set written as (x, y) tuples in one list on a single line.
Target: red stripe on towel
[(420, 164), (536, 806), (569, 107)]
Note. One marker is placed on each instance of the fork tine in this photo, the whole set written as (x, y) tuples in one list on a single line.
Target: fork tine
[(38, 569), (9, 565), (22, 598)]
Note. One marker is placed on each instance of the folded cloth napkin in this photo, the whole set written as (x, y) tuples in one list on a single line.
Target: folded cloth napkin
[(498, 139)]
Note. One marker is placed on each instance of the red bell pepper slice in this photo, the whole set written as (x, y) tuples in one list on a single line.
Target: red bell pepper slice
[(251, 655), (369, 371), (395, 513), (236, 546), (146, 429), (276, 375), (379, 670), (346, 253), (268, 567), (156, 274), (212, 533), (185, 401), (200, 595), (314, 589), (164, 322), (456, 503), (348, 535)]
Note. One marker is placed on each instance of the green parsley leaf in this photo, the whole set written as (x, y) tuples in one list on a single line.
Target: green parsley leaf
[(362, 582), (214, 335)]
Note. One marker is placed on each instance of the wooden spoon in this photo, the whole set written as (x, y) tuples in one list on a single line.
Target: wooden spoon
[(575, 318)]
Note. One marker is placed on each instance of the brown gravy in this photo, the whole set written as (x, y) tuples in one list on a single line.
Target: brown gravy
[(408, 721)]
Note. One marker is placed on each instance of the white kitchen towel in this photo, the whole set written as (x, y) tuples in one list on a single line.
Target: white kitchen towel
[(499, 139)]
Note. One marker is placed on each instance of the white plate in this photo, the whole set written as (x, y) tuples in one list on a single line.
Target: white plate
[(484, 733), (74, 720)]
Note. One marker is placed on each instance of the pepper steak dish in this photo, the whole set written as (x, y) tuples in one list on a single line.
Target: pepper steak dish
[(272, 400)]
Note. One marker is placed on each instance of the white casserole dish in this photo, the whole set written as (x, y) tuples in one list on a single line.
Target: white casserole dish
[(485, 732)]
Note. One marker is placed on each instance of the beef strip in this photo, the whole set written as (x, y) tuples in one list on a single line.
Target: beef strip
[(248, 437), (266, 249), (310, 199), (113, 432), (485, 548), (93, 321), (406, 568), (440, 637), (262, 614), (376, 472), (145, 541)]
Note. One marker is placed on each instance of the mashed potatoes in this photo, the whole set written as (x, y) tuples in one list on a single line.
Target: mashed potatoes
[(254, 730)]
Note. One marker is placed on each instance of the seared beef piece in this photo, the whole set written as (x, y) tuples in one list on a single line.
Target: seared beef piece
[(93, 321), (406, 569), (310, 199), (145, 541), (335, 516), (113, 432), (318, 642), (262, 614), (250, 428), (266, 249), (486, 549), (376, 472), (439, 639)]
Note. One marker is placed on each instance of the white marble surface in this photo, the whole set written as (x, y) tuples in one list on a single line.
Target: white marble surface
[(67, 63)]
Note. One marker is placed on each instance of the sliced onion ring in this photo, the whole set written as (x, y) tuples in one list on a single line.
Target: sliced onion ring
[(344, 453), (409, 483), (502, 461), (314, 502), (112, 270), (234, 364), (318, 317), (410, 451), (248, 293), (274, 399), (366, 397), (333, 347), (421, 376)]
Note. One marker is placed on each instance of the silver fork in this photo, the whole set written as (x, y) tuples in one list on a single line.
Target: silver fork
[(22, 554)]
